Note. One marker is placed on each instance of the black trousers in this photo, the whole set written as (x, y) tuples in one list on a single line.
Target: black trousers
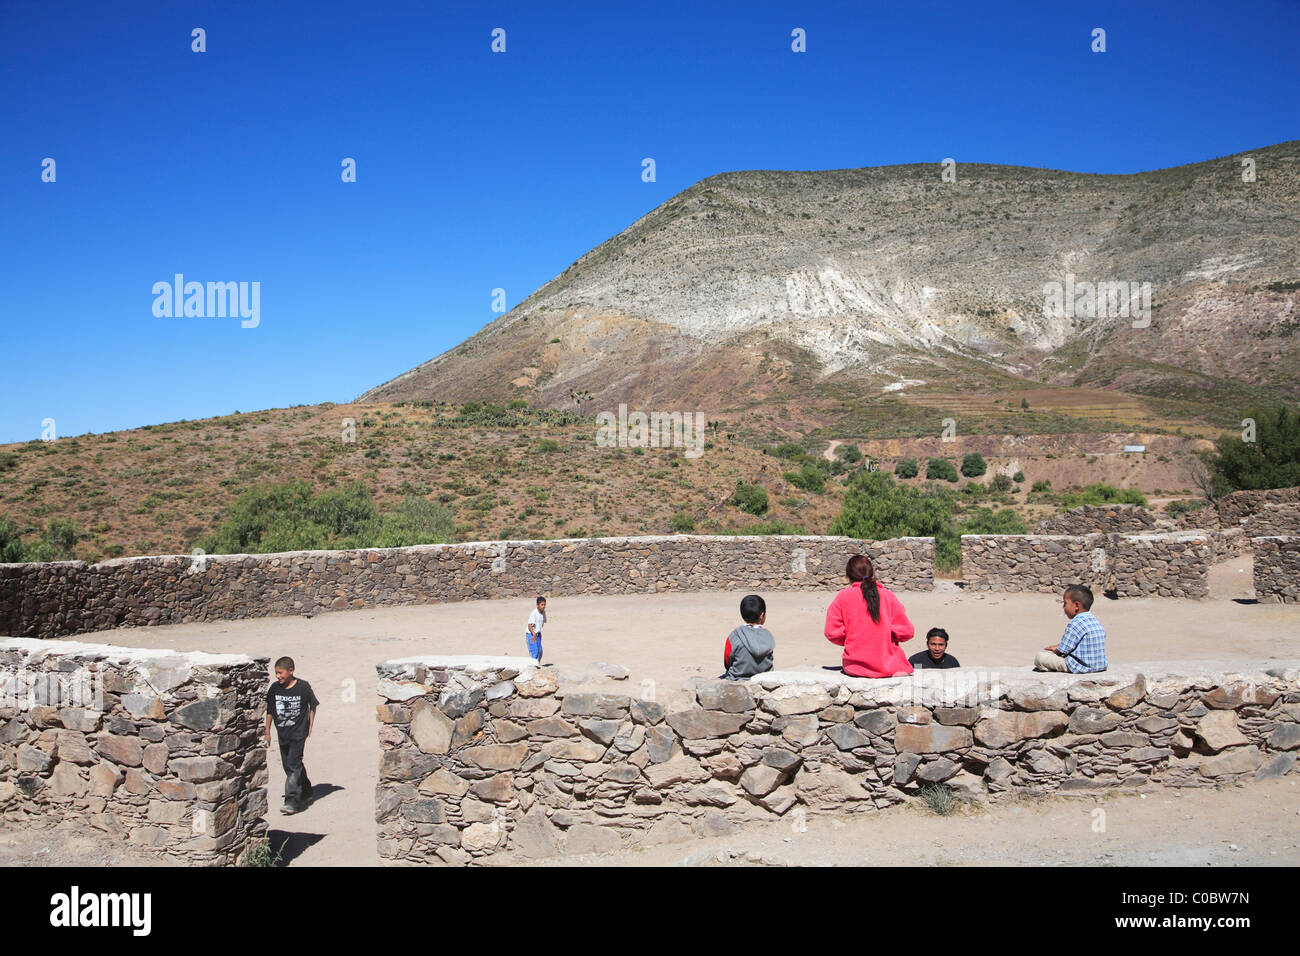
[(297, 787)]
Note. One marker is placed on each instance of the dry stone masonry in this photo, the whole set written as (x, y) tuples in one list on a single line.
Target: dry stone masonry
[(1277, 569), (160, 749), (1158, 565), (1274, 520), (60, 598), (483, 757)]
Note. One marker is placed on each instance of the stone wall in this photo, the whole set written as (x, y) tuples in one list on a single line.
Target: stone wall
[(491, 757), (50, 600), (160, 749), (1239, 505), (1274, 520), (1277, 569), (1099, 519), (1159, 565)]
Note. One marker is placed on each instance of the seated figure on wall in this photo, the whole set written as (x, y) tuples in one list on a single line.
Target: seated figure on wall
[(869, 622), (936, 653), (1082, 649)]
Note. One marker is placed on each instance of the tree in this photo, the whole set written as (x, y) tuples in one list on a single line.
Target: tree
[(973, 465), (1270, 460), (876, 507), (580, 397)]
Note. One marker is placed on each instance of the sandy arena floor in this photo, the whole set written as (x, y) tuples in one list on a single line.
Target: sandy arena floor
[(670, 638)]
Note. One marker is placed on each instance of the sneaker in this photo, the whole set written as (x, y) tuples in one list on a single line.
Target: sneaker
[(289, 809)]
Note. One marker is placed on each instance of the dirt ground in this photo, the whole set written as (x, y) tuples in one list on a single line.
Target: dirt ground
[(669, 638)]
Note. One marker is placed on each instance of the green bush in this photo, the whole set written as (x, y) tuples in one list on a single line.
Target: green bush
[(990, 521), (907, 468), (850, 453), (1018, 477), (416, 521), (11, 545), (682, 523), (1040, 486), (876, 507), (810, 478), (549, 445), (1272, 460), (973, 465), (1183, 506), (789, 450), (288, 517), (1001, 484), (750, 498), (1102, 494), (940, 468)]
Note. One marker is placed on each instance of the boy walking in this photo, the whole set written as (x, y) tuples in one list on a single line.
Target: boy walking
[(291, 703), (750, 647), (536, 621), (1082, 649)]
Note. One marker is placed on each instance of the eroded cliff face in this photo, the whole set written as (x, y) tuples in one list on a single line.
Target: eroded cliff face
[(752, 285)]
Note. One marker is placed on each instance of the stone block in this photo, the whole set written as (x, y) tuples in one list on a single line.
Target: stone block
[(931, 738)]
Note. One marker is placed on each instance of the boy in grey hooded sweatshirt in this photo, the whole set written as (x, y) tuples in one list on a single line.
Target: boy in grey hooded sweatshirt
[(750, 647)]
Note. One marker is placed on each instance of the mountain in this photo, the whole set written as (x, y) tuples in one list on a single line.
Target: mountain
[(807, 295)]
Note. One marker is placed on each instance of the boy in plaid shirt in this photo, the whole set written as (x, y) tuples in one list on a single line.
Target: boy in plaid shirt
[(1082, 649)]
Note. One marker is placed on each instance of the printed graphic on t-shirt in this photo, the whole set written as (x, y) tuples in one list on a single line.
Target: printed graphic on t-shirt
[(287, 710)]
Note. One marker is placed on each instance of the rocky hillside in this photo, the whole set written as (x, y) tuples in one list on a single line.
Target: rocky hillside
[(807, 290)]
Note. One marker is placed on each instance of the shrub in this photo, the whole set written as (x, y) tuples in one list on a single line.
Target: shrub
[(1041, 486), (850, 453), (750, 498), (907, 468), (973, 465), (682, 523), (548, 445), (940, 468), (11, 545), (990, 521), (788, 450), (1018, 477), (517, 404), (810, 478), (1183, 506), (416, 521), (876, 507), (1001, 484)]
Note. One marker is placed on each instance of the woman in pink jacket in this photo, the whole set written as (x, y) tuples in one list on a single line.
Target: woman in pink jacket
[(870, 623)]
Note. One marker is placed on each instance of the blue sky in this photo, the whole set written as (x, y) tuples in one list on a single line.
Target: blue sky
[(478, 170)]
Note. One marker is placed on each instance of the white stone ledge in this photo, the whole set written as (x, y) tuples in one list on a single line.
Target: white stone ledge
[(35, 647)]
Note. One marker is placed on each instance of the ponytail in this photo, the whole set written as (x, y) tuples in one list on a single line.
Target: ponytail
[(860, 569)]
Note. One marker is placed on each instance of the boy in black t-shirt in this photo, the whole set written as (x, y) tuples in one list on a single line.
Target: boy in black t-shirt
[(292, 705), (936, 652)]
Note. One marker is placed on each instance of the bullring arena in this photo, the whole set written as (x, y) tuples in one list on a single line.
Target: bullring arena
[(437, 741)]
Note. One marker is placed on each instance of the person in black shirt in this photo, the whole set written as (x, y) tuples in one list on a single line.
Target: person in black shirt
[(292, 705), (936, 651)]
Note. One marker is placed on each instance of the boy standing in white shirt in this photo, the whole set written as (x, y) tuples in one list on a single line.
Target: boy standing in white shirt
[(536, 621)]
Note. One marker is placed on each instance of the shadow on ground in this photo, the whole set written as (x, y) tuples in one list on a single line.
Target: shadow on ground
[(285, 846)]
